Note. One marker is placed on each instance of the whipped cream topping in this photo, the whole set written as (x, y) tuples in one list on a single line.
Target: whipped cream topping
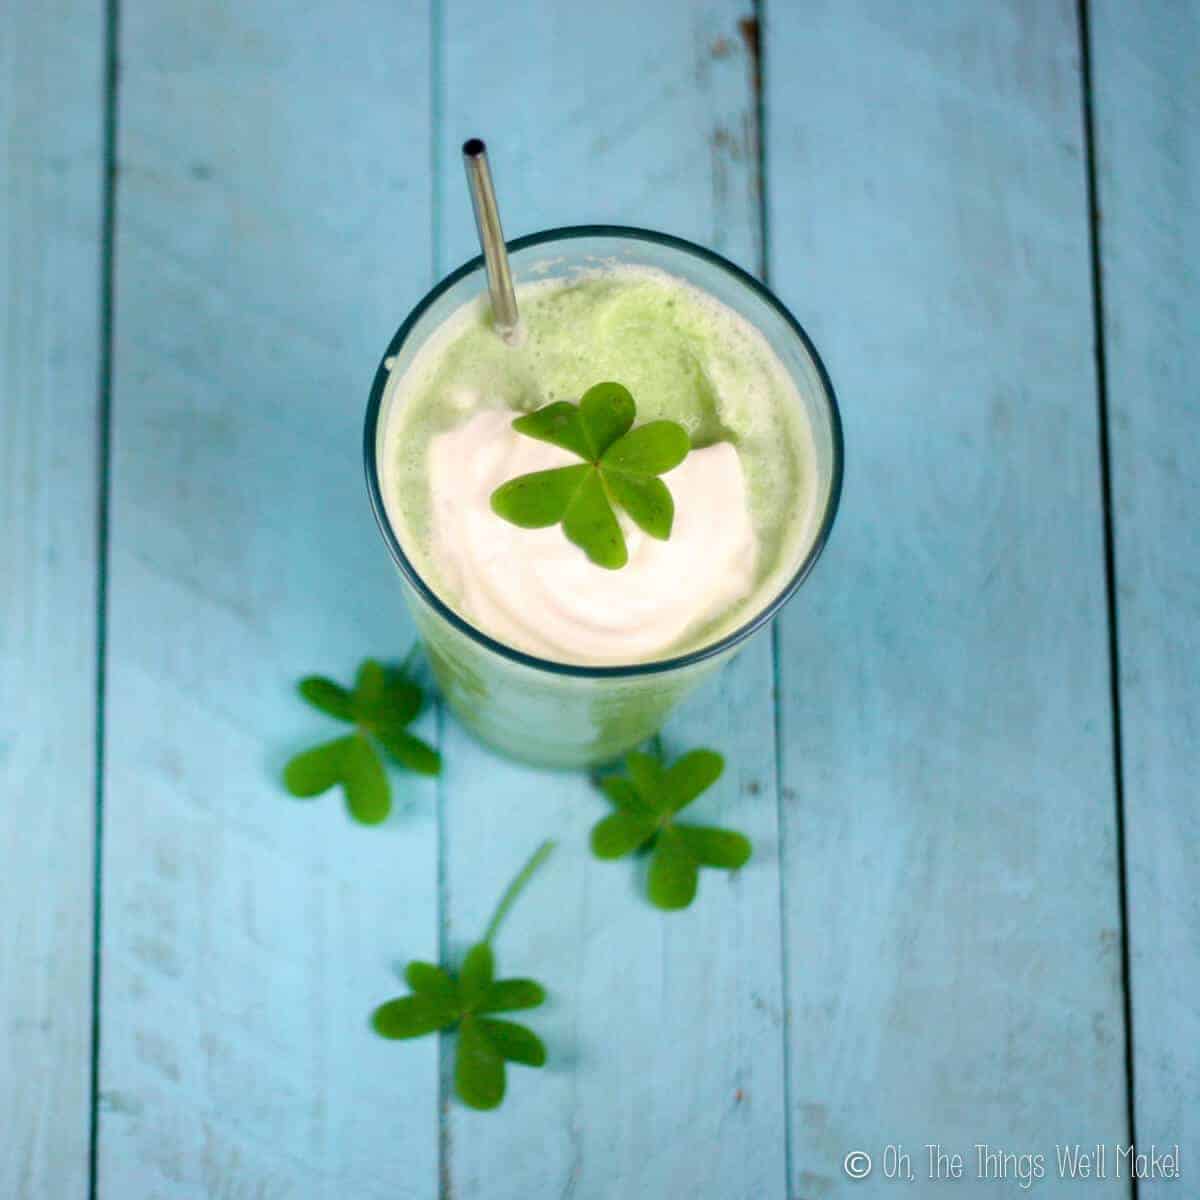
[(537, 591)]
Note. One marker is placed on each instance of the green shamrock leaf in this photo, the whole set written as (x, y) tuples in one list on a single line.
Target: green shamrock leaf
[(621, 468), (441, 1001), (646, 800), (381, 706)]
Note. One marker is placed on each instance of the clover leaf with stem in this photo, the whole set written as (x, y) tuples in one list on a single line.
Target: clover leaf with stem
[(621, 467), (647, 801), (441, 1000), (381, 706)]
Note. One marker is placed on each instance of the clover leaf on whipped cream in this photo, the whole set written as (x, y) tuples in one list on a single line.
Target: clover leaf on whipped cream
[(621, 468)]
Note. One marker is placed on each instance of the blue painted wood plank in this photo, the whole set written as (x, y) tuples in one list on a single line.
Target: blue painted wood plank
[(1146, 97), (664, 1030), (274, 216), (952, 918), (51, 105)]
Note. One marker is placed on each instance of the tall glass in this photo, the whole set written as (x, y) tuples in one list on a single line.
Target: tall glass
[(552, 713)]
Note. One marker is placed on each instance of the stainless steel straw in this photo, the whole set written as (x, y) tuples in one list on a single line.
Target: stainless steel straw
[(491, 237)]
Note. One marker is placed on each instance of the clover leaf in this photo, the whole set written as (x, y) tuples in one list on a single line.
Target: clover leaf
[(381, 706), (647, 800), (621, 467), (441, 1000)]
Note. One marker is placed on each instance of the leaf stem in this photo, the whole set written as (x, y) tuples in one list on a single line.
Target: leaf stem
[(409, 659), (513, 890)]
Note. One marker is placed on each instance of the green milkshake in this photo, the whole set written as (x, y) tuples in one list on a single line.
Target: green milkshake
[(515, 616)]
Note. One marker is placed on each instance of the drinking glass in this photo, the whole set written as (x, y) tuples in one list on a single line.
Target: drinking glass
[(559, 714)]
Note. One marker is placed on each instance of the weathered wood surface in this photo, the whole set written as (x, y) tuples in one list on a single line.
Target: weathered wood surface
[(51, 104), (665, 1029), (949, 852), (274, 214), (1146, 103), (926, 946)]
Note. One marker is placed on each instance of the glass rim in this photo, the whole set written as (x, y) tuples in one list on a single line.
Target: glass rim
[(579, 670)]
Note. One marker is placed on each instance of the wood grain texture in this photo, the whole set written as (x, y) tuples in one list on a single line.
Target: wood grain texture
[(1146, 105), (273, 218), (664, 1030), (951, 903), (51, 104)]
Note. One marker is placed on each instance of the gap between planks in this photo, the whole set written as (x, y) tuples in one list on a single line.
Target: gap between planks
[(1110, 558)]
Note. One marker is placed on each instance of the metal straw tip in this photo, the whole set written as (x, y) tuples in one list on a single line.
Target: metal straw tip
[(491, 238)]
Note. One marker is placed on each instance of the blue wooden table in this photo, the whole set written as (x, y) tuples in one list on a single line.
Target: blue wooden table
[(967, 753)]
